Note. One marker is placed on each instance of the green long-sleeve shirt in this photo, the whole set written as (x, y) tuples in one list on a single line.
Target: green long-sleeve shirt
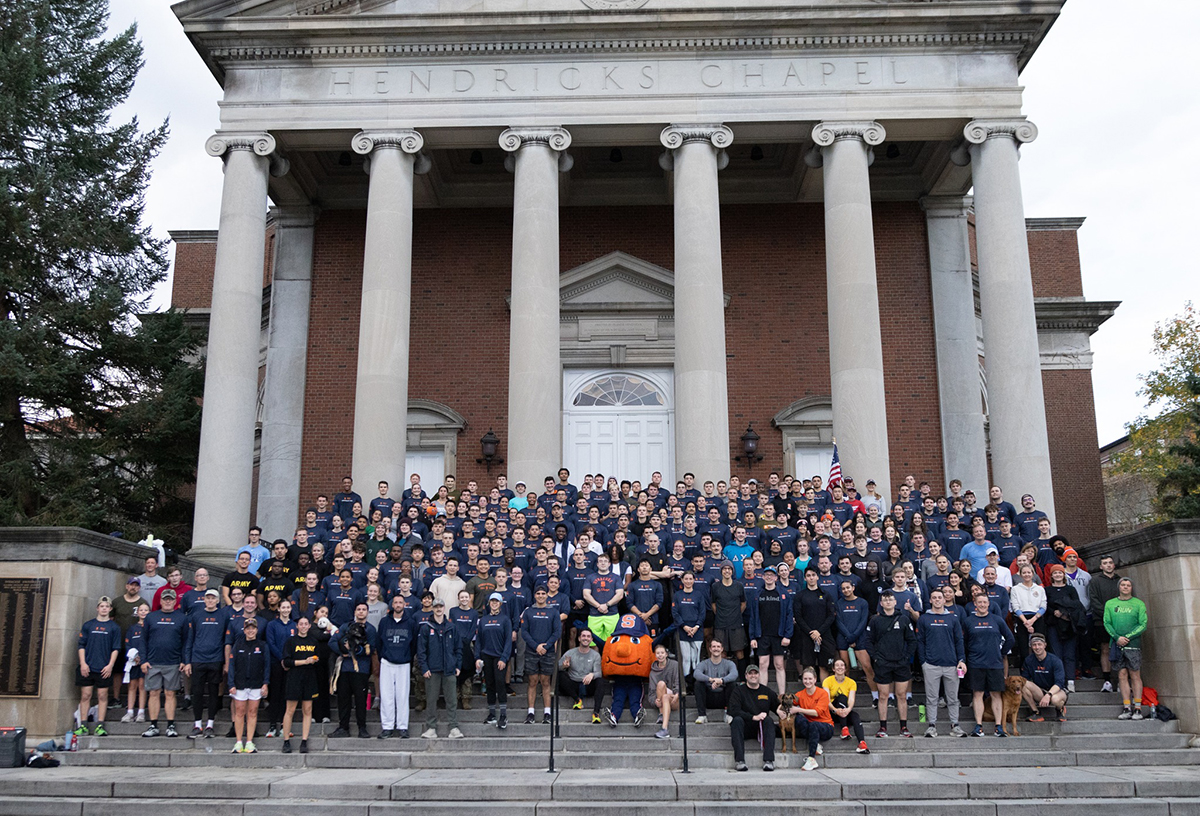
[(1126, 619)]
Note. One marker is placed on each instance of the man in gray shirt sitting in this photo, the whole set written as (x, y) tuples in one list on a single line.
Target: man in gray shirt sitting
[(579, 675), (714, 680)]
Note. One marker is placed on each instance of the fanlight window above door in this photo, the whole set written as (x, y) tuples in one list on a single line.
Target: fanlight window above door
[(619, 390)]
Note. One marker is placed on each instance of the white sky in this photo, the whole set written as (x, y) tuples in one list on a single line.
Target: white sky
[(1112, 91)]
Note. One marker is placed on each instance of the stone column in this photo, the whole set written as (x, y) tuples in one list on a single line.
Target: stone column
[(855, 344), (1016, 404), (283, 388), (964, 446), (225, 469), (696, 154), (534, 358), (381, 388)]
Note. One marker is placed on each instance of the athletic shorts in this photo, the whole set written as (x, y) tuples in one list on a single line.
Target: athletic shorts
[(165, 678), (844, 646), (771, 646), (93, 679), (733, 639), (242, 695), (602, 626), (1125, 658), (985, 679), (539, 664), (300, 685), (888, 673)]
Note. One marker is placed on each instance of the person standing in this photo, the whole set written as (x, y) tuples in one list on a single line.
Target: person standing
[(124, 614), (541, 630), (987, 640), (99, 645), (162, 665), (941, 654), (356, 645), (204, 661), (397, 640), (1104, 586), (1125, 620), (301, 655), (466, 619), (771, 625), (249, 676), (891, 642), (439, 655), (493, 648)]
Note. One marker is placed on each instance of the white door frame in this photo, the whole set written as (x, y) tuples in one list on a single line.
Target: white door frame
[(574, 380)]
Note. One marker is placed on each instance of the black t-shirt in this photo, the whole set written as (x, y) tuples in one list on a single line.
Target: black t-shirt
[(244, 581), (769, 602), (728, 602)]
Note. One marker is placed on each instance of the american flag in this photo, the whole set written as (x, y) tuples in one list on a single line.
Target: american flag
[(835, 468)]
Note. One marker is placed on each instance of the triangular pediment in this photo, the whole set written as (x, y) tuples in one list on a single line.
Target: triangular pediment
[(616, 281)]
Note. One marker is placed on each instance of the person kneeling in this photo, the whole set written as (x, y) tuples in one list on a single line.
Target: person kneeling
[(750, 707), (817, 725)]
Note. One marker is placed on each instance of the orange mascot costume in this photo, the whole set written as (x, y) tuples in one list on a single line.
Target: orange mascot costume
[(626, 664)]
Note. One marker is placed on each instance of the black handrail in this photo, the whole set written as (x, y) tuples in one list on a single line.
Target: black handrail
[(554, 712), (682, 703)]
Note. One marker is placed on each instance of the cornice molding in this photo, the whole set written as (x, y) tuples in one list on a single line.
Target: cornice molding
[(916, 41), (1069, 314), (1065, 224)]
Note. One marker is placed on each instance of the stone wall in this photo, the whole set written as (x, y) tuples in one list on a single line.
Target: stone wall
[(1164, 563), (82, 566)]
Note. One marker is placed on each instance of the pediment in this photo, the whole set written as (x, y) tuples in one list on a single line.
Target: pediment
[(617, 281)]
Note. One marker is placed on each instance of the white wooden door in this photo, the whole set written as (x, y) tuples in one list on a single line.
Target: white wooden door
[(607, 434), (813, 461), (430, 464)]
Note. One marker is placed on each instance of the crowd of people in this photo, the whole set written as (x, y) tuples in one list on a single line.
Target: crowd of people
[(400, 603)]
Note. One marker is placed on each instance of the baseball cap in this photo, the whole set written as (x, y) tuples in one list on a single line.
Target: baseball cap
[(751, 669), (168, 593), (496, 596), (438, 602), (870, 481), (104, 599), (771, 569), (213, 593), (991, 548), (250, 623), (134, 580)]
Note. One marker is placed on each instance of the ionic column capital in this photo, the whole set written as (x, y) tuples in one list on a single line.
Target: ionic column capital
[(826, 133), (980, 130), (674, 136), (367, 141), (220, 143), (555, 138)]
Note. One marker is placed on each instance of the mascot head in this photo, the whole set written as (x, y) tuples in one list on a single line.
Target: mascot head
[(628, 652)]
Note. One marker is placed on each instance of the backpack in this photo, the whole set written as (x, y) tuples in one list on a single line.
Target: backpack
[(1149, 696)]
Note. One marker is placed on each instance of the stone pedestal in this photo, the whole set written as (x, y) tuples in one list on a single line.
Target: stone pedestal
[(1164, 563)]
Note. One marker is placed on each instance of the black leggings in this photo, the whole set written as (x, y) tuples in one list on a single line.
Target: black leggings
[(852, 721), (275, 700), (493, 678), (206, 688)]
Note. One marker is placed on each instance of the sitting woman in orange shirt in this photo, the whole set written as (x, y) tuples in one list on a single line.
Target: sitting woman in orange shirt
[(817, 726)]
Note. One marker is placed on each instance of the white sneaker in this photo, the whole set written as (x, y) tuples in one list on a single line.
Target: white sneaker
[(820, 750), (1107, 686), (141, 717), (1071, 686), (728, 719), (1137, 714), (810, 764), (455, 734), (128, 718), (1126, 714), (430, 734), (701, 720)]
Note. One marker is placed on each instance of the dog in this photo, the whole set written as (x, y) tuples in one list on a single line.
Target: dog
[(787, 725), (1011, 697)]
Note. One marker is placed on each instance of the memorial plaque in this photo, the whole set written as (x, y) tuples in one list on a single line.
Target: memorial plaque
[(24, 605)]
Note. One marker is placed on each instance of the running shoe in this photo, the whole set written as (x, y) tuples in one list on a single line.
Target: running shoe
[(578, 705), (455, 734), (769, 766), (546, 718), (490, 719), (662, 733), (880, 734), (931, 731), (238, 748), (100, 731), (1035, 717), (956, 731), (529, 718), (1107, 686), (810, 764), (196, 733), (1137, 714), (171, 732), (904, 732), (862, 748), (503, 722), (612, 720), (978, 732), (152, 731), (1125, 714), (595, 718), (741, 766), (128, 718), (1000, 732), (250, 749), (141, 717), (845, 733), (81, 731), (639, 718), (701, 720)]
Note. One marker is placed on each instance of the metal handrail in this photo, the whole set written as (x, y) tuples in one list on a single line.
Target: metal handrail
[(554, 712), (682, 703)]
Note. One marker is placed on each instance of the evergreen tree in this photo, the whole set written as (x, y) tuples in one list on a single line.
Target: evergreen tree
[(99, 414)]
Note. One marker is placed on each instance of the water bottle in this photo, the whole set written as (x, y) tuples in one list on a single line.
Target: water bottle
[(921, 713), (70, 742), (94, 744)]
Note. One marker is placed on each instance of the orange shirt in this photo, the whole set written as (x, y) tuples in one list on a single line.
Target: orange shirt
[(818, 701)]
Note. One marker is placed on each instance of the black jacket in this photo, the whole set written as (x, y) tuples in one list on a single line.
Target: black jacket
[(249, 664), (746, 702), (891, 639)]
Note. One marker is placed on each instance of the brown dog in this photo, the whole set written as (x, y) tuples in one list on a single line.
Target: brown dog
[(1011, 696), (787, 725)]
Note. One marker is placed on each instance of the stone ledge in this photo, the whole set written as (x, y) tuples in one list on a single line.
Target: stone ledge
[(75, 544), (1178, 537)]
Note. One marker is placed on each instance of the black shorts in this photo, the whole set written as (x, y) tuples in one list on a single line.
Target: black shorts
[(300, 685), (93, 679), (985, 679), (733, 638), (771, 646), (539, 664), (807, 652), (888, 673)]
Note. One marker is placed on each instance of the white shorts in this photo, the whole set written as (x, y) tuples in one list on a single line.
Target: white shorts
[(241, 695)]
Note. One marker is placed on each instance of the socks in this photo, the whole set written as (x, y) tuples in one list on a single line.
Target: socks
[(1107, 676), (875, 696), (883, 725), (546, 710), (903, 724), (210, 723), (197, 725), (531, 711), (1125, 702)]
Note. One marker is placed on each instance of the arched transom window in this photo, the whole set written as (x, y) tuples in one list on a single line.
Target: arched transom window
[(618, 390)]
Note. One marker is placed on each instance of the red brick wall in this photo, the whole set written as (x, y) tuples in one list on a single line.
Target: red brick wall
[(1074, 456), (1054, 258), (191, 280)]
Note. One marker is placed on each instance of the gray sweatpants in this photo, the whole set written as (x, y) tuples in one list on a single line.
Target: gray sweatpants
[(940, 679), (447, 685)]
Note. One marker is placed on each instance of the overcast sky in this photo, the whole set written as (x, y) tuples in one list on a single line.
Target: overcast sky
[(1112, 91)]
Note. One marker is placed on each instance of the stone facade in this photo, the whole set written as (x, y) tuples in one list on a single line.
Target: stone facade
[(793, 159)]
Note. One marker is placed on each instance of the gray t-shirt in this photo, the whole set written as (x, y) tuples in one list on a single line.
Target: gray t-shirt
[(582, 664), (150, 586)]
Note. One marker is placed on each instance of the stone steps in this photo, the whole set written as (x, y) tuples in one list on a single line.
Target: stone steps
[(1133, 789)]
